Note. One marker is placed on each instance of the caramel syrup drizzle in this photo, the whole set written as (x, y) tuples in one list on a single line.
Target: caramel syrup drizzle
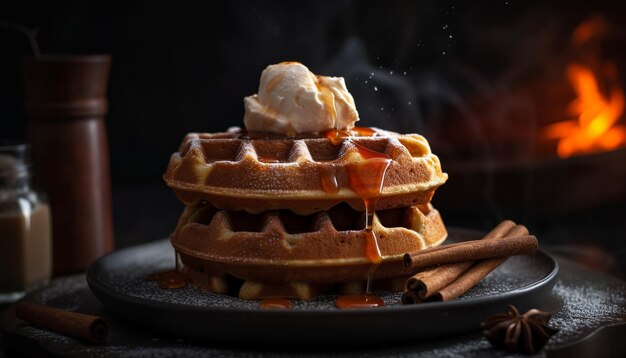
[(268, 159), (279, 303), (328, 180), (359, 301), (337, 136), (366, 179), (170, 279)]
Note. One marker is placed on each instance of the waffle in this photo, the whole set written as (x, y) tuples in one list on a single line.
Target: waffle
[(235, 171), (279, 251)]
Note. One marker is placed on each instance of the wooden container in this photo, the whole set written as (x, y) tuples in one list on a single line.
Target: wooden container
[(65, 104)]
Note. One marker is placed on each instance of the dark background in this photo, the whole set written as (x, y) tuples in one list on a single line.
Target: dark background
[(412, 66)]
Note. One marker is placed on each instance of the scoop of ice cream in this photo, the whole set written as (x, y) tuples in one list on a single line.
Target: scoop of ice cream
[(291, 99)]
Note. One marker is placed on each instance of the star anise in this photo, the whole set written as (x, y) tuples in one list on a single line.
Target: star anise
[(526, 333)]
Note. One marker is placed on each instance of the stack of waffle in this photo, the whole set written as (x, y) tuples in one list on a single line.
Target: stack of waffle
[(273, 216)]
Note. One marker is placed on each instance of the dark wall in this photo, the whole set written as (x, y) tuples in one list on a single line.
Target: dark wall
[(177, 67)]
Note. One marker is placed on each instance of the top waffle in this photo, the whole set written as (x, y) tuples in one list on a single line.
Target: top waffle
[(235, 171)]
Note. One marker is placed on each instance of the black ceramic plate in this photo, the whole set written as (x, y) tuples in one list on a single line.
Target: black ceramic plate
[(118, 280)]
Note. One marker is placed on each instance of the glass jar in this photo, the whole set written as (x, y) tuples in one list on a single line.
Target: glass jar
[(25, 231)]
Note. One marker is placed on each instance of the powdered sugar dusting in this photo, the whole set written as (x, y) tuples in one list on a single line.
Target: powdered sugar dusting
[(588, 302)]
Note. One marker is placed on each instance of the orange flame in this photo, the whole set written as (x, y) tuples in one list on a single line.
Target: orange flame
[(596, 128)]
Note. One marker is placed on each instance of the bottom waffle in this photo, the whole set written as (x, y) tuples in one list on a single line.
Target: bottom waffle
[(250, 290), (279, 249)]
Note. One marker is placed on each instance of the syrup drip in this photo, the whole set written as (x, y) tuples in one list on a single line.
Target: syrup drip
[(359, 301), (280, 303), (266, 159), (372, 250), (364, 131), (328, 179), (336, 136), (366, 179), (171, 279)]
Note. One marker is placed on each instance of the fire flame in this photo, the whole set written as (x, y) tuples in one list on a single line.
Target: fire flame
[(596, 128)]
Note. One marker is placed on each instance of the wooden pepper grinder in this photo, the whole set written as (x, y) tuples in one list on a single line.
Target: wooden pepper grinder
[(65, 104)]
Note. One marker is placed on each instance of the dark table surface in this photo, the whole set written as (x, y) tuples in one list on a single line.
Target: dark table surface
[(585, 299)]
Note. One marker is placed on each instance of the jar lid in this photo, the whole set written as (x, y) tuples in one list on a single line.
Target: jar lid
[(13, 159)]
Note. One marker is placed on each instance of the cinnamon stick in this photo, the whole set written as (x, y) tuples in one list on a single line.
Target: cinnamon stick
[(468, 279), (472, 250), (499, 231), (424, 284), (92, 329), (410, 297)]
